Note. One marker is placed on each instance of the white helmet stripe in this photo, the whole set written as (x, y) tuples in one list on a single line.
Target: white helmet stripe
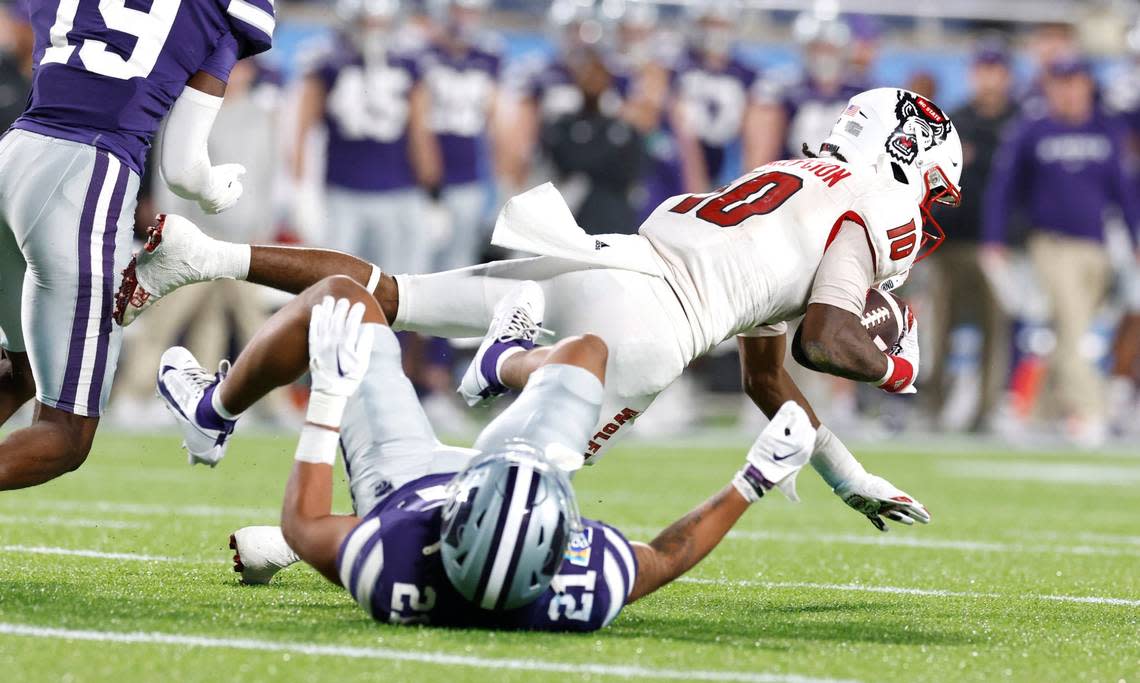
[(516, 514)]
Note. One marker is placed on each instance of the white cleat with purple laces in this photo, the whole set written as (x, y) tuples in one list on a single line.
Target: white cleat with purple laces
[(514, 329), (187, 390)]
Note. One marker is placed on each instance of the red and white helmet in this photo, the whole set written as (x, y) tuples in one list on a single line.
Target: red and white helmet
[(902, 132)]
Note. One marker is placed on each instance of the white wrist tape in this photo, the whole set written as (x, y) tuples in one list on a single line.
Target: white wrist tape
[(317, 445), (832, 460), (747, 490), (889, 373), (373, 279), (325, 409)]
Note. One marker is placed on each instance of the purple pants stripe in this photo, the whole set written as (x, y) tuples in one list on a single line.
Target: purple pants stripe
[(75, 353), (94, 396)]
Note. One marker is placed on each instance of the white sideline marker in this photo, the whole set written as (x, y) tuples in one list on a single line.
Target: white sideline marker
[(853, 587), (902, 590), (436, 658)]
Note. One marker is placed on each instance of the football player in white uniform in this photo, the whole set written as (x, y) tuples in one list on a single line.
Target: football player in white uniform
[(797, 237)]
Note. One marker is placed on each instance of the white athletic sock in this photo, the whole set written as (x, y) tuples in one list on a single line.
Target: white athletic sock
[(216, 404), (231, 261), (832, 460)]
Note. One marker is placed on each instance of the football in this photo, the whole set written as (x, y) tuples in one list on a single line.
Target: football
[(883, 318)]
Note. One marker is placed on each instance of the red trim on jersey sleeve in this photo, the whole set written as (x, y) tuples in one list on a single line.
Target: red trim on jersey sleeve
[(857, 220)]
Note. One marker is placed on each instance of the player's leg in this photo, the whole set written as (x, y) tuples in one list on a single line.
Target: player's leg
[(17, 386), (72, 212), (560, 404), (207, 407)]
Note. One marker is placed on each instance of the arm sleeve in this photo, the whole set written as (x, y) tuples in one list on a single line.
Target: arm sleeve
[(222, 60), (846, 272), (999, 201), (252, 23), (185, 156)]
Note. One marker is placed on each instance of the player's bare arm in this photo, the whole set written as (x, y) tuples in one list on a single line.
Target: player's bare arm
[(782, 449), (833, 340), (764, 378)]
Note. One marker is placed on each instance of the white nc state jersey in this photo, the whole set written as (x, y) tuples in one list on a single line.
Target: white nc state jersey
[(747, 254)]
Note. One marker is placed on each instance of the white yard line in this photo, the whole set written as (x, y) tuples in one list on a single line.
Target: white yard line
[(900, 541), (854, 587), (99, 554), (922, 592), (88, 507), (388, 654), (1066, 473), (33, 520)]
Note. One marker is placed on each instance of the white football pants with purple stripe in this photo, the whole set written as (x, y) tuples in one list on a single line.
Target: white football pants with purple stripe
[(387, 440), (67, 215)]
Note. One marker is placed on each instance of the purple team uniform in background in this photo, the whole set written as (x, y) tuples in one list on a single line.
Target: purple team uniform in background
[(461, 87), (716, 101), (105, 76), (1065, 177), (366, 116), (810, 113), (395, 571), (120, 110)]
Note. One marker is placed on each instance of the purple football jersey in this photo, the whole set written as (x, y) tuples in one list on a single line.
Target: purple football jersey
[(462, 86), (366, 114), (107, 74), (715, 100), (390, 563), (810, 113)]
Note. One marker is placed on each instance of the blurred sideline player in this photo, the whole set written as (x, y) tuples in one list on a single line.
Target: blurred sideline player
[(105, 77), (716, 97), (489, 537), (461, 71), (804, 109), (790, 238), (371, 101)]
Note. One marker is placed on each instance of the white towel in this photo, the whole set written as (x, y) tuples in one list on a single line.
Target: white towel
[(538, 221)]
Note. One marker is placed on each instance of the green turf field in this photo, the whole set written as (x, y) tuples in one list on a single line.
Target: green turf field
[(1030, 572)]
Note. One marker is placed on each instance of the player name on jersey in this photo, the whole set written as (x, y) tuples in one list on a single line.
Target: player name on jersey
[(828, 172)]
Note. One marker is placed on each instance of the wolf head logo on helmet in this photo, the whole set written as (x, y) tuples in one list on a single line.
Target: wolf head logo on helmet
[(922, 125)]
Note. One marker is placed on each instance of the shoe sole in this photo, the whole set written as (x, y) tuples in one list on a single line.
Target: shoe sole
[(130, 294)]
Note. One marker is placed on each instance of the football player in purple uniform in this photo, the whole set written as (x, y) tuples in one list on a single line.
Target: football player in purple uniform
[(367, 93), (805, 108), (106, 75), (461, 70), (716, 99), (485, 537)]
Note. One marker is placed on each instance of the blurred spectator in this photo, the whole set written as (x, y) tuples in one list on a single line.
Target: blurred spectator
[(962, 293), (1066, 169), (804, 110), (373, 106), (16, 43), (717, 102), (246, 132), (924, 83), (866, 34), (461, 69), (596, 156), (644, 57), (1047, 43), (547, 91)]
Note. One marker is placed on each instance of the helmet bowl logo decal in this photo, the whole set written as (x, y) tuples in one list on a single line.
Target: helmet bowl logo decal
[(921, 126), (578, 550)]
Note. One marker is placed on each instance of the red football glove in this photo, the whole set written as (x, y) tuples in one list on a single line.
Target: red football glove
[(902, 358)]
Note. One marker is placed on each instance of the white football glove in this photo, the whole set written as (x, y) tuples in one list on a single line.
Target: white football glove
[(879, 500), (776, 457), (223, 189), (340, 347)]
